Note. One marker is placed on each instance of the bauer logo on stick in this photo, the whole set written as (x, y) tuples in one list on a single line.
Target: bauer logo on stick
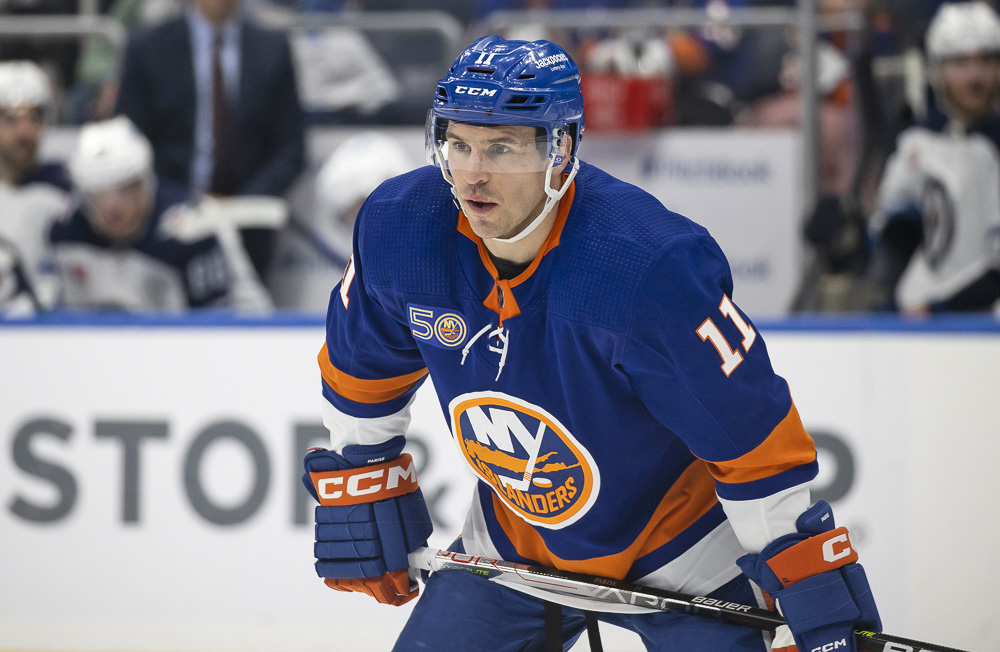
[(535, 466)]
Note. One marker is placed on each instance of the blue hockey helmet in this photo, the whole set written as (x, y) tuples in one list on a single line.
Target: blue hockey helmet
[(500, 82)]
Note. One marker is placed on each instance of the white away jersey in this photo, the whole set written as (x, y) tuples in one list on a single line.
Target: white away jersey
[(158, 271), (27, 212), (952, 180)]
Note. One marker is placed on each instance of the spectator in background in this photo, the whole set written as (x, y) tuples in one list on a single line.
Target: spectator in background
[(216, 96), (937, 224), (837, 147), (138, 244), (711, 69), (32, 194), (312, 256)]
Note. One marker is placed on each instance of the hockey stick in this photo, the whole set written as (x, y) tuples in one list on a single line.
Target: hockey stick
[(604, 594)]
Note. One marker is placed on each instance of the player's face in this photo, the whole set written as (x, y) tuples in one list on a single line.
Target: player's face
[(498, 172), (20, 134), (970, 83), (119, 213)]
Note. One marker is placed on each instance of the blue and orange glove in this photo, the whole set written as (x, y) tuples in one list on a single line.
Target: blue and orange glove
[(371, 514), (819, 587)]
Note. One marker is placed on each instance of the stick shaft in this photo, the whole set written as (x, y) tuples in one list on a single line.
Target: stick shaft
[(617, 594)]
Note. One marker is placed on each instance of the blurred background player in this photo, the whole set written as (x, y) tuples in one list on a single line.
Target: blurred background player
[(138, 244), (216, 95), (937, 224), (32, 194), (311, 255)]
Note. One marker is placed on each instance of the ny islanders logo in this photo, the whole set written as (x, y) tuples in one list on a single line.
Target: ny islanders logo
[(534, 464)]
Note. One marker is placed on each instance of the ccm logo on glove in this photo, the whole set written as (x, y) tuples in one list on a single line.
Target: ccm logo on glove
[(367, 484), (830, 647)]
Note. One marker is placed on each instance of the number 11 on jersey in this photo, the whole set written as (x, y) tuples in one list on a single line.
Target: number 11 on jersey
[(731, 358)]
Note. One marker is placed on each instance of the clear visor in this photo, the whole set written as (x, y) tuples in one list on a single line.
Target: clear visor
[(489, 148)]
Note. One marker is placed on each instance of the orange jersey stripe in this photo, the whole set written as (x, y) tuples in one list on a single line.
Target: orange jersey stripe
[(690, 498), (360, 390), (788, 446)]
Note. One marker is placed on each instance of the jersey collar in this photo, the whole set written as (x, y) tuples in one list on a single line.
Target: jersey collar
[(501, 298)]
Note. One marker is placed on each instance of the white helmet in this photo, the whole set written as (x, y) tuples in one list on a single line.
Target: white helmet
[(23, 83), (355, 169), (961, 29), (109, 154)]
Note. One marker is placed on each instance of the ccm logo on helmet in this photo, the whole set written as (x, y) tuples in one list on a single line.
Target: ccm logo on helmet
[(472, 90), (367, 484), (832, 553)]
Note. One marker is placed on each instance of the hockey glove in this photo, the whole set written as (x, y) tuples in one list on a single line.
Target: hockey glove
[(819, 587), (371, 514)]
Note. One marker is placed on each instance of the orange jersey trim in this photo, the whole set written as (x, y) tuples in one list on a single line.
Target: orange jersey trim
[(360, 390), (788, 446), (690, 498), (510, 307)]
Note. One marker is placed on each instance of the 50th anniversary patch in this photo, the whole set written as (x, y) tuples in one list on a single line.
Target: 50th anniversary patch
[(437, 326)]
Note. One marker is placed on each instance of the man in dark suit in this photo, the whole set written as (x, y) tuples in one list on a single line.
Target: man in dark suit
[(216, 96)]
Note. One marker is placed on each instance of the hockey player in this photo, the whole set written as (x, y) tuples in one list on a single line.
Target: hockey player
[(937, 225), (32, 194), (136, 244), (619, 410)]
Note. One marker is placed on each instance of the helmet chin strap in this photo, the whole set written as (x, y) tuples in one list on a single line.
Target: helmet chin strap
[(553, 197)]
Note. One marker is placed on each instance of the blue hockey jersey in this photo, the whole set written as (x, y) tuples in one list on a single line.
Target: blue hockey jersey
[(613, 401)]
